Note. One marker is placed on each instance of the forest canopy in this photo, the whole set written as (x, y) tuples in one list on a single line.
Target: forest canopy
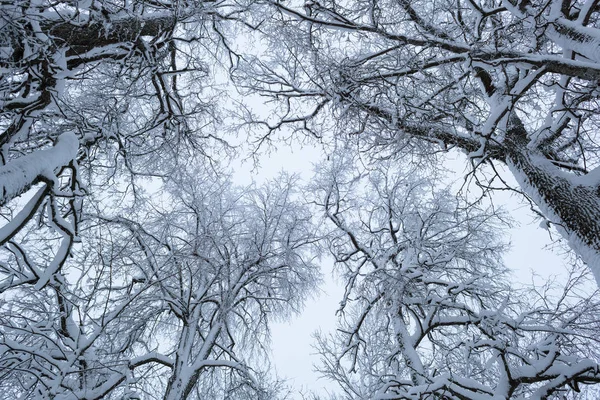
[(132, 266)]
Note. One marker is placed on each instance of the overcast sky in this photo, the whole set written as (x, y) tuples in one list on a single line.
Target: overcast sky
[(532, 252)]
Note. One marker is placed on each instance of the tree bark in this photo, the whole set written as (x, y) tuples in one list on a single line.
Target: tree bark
[(97, 34), (573, 207)]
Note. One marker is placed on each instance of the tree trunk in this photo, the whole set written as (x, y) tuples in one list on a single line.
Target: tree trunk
[(570, 202), (84, 38)]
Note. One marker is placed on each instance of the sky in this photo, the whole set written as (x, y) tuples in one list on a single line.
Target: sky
[(533, 256)]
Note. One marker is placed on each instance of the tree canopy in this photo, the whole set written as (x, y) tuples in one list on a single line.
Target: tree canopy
[(506, 82), (132, 266)]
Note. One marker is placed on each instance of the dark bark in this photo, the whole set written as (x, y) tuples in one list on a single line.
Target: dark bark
[(81, 39), (576, 206)]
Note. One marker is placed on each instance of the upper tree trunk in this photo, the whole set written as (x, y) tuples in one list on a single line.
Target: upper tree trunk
[(84, 38), (572, 206)]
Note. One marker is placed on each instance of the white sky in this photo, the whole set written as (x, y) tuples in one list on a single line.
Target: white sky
[(293, 355)]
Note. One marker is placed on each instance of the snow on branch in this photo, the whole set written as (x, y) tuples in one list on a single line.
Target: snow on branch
[(19, 175)]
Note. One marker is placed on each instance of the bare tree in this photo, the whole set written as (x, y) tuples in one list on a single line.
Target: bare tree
[(508, 82), (428, 311), (172, 302), (96, 94)]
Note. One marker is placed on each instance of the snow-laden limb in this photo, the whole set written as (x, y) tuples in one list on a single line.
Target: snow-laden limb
[(56, 263), (129, 81), (172, 301), (18, 175), (429, 311), (153, 357), (425, 77), (16, 223), (571, 35)]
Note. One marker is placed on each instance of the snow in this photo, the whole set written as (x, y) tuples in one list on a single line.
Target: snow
[(97, 52), (19, 175), (55, 264), (588, 254), (573, 36), (480, 152), (62, 71), (10, 229)]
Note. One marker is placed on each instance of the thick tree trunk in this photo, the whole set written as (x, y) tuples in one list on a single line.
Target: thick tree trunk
[(178, 387), (186, 372), (570, 202), (85, 38), (82, 38)]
